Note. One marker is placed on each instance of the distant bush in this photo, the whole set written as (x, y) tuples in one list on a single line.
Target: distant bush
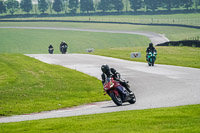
[(190, 43)]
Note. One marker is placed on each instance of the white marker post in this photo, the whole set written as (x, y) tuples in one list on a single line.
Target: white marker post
[(136, 55)]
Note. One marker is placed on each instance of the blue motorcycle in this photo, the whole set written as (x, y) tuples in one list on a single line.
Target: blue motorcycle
[(151, 58)]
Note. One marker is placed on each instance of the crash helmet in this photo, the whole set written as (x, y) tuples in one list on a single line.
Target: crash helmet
[(150, 44), (105, 68)]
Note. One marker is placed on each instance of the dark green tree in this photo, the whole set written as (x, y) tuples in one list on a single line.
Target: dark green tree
[(65, 4), (117, 5), (136, 4), (96, 2), (26, 5), (86, 5), (42, 6), (12, 6), (58, 6), (152, 4), (126, 2), (2, 7), (73, 5), (168, 4), (197, 3), (105, 5), (186, 3), (50, 3)]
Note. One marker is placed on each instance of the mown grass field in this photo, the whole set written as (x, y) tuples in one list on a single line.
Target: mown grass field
[(180, 56), (106, 44), (183, 119), (28, 85), (171, 32), (37, 41), (188, 19)]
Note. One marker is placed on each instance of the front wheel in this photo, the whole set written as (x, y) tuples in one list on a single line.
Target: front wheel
[(116, 99), (133, 99)]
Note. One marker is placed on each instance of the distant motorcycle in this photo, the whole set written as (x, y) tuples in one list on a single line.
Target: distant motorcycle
[(63, 49), (51, 50), (118, 97), (151, 58)]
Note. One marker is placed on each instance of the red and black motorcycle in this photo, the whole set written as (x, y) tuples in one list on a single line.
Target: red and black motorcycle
[(118, 93)]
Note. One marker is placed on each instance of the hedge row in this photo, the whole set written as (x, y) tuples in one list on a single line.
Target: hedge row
[(190, 43)]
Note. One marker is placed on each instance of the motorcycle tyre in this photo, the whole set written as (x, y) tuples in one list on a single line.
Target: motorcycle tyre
[(133, 100), (116, 100)]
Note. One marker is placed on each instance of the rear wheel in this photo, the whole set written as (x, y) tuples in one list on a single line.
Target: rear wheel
[(116, 99), (133, 99)]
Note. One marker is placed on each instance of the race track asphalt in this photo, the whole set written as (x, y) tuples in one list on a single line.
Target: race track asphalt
[(154, 87)]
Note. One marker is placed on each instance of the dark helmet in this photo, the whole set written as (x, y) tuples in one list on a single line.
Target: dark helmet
[(105, 68), (150, 44)]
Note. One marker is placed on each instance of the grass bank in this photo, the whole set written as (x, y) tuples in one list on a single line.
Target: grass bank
[(28, 85), (175, 119), (188, 19), (37, 41), (171, 32), (179, 56)]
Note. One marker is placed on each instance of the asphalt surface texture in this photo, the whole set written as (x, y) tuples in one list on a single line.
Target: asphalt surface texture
[(154, 87)]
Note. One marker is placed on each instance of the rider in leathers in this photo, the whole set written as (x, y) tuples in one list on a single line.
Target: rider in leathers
[(150, 49), (111, 72)]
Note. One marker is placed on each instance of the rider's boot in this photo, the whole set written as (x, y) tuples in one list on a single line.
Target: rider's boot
[(130, 92)]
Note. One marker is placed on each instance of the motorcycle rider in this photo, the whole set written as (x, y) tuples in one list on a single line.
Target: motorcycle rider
[(150, 49), (63, 44), (50, 48), (111, 72)]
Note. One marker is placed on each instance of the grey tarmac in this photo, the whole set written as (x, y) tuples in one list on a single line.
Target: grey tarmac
[(154, 87)]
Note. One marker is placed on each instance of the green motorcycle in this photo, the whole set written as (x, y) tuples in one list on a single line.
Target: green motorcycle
[(151, 58)]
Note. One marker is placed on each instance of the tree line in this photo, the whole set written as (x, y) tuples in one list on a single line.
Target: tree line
[(72, 6)]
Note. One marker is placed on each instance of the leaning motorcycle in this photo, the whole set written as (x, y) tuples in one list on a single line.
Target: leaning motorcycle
[(151, 58), (118, 93)]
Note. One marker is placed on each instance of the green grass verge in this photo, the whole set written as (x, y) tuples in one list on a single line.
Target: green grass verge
[(28, 85), (37, 41), (171, 32), (189, 19), (175, 119), (179, 56)]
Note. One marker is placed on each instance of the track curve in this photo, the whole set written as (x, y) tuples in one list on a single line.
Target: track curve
[(154, 37), (154, 87)]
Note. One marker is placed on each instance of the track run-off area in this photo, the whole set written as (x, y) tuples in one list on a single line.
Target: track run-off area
[(154, 37), (154, 87)]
